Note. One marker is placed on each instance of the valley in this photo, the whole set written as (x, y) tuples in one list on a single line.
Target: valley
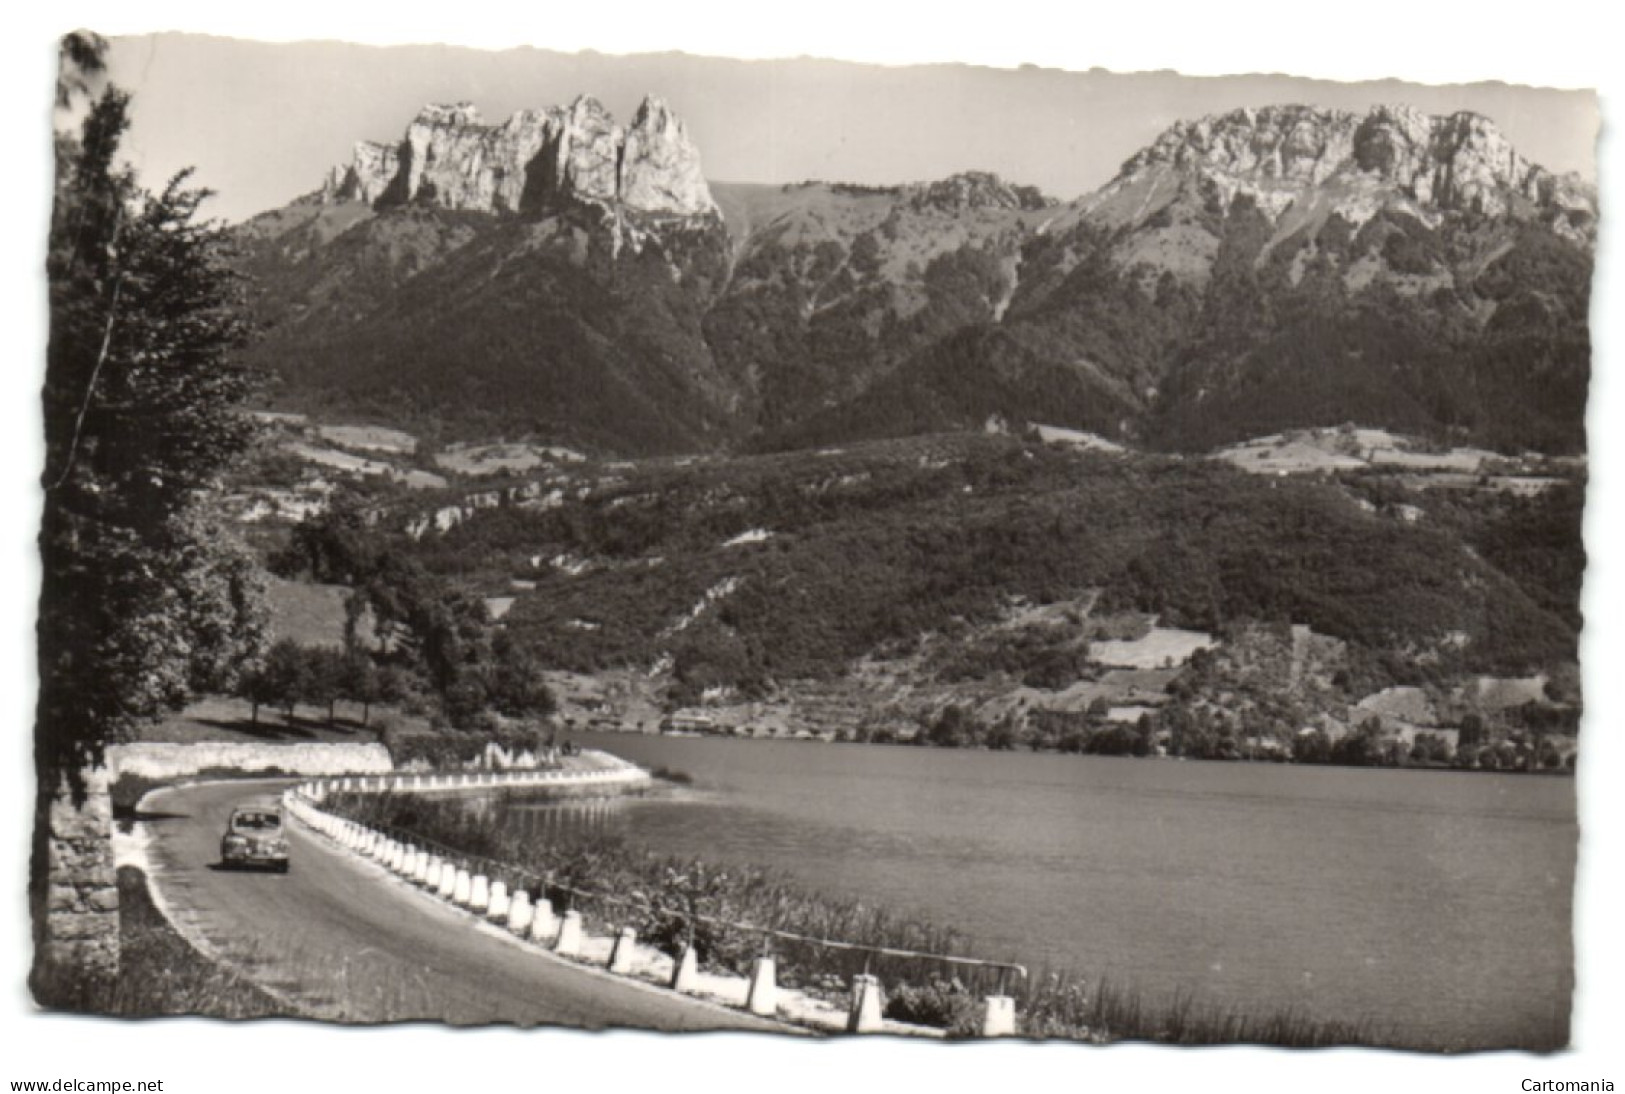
[(964, 606), (1230, 458), (1003, 590)]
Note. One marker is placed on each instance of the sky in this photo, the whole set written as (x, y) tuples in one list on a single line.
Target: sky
[(1558, 43), (262, 122)]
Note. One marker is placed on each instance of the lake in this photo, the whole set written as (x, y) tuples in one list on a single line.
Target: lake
[(1434, 904)]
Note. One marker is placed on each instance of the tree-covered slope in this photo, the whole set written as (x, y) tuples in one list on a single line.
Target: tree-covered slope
[(752, 570), (463, 324)]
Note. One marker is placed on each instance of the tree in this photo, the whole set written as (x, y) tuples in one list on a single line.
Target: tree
[(1145, 736), (516, 686), (141, 600), (1362, 747), (1472, 730), (332, 546), (1113, 740), (361, 681), (355, 609), (83, 57), (1003, 736), (1314, 747), (285, 678), (326, 673), (464, 700), (950, 729), (259, 687)]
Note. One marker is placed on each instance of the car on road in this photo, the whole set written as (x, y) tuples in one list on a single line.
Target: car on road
[(255, 837)]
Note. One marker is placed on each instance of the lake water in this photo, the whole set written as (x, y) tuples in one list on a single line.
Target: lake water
[(1436, 905)]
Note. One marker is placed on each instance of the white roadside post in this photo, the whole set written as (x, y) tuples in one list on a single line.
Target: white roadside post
[(569, 940), (544, 925), (620, 958), (864, 1016), (683, 978), (497, 908), (764, 988), (999, 1019), (520, 913)]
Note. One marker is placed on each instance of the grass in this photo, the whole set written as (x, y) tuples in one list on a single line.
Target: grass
[(221, 718), (312, 615), (160, 973), (1158, 647), (671, 901), (1069, 1005), (369, 437), (615, 885)]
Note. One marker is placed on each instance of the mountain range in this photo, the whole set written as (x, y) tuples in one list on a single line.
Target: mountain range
[(564, 278)]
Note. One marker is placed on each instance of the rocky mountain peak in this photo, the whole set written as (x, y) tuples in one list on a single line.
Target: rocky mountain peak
[(367, 177), (653, 112), (536, 162), (974, 190), (455, 114), (660, 165), (1254, 271), (1459, 162), (1275, 142)]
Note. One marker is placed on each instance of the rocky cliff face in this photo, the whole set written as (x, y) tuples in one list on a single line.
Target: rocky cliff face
[(660, 167), (368, 176), (1260, 270), (535, 163), (833, 285), (1352, 163), (1275, 268), (1319, 189)]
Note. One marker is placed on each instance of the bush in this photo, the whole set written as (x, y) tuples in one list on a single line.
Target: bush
[(610, 883), (941, 1004), (454, 748), (160, 972)]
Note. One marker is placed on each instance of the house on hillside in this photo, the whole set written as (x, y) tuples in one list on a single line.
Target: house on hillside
[(689, 721), (1259, 747), (1408, 734)]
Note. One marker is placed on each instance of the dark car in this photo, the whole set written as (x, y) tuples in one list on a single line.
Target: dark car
[(254, 837)]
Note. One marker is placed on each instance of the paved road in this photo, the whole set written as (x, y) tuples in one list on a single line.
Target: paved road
[(343, 939)]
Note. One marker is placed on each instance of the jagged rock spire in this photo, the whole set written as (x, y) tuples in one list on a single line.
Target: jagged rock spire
[(660, 166), (535, 162)]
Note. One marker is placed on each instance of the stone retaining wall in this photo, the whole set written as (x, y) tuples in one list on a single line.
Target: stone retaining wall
[(159, 760), (76, 928)]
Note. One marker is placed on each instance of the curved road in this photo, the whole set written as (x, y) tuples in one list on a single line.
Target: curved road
[(341, 938)]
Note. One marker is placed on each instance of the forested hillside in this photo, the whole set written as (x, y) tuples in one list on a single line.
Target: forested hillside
[(753, 570)]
